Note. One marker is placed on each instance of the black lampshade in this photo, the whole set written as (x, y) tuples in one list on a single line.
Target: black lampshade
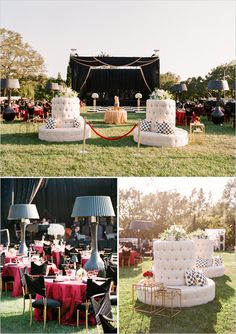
[(52, 86), (10, 83), (141, 225), (218, 85), (179, 88)]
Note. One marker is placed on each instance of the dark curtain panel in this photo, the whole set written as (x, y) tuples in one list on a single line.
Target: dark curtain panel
[(88, 78), (18, 190), (56, 201)]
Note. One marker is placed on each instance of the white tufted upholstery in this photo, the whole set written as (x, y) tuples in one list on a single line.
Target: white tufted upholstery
[(161, 111), (64, 109), (204, 249), (171, 260), (190, 295)]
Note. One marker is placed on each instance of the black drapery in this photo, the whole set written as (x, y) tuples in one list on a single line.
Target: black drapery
[(56, 201), (17, 191), (55, 198), (91, 74)]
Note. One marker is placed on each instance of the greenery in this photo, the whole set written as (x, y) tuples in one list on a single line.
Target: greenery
[(174, 233), (217, 316), (160, 94), (168, 207), (22, 153)]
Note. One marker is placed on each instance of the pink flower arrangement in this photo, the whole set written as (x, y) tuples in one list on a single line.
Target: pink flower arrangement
[(148, 274)]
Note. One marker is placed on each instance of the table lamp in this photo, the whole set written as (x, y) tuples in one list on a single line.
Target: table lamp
[(94, 207), (9, 85), (74, 259), (25, 212), (217, 115)]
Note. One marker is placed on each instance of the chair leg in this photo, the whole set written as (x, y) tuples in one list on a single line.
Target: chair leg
[(77, 318), (44, 316), (30, 314), (59, 315), (86, 321), (23, 305)]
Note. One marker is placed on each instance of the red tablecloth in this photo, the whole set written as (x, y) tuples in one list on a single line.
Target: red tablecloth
[(133, 254), (70, 294), (9, 270), (180, 117)]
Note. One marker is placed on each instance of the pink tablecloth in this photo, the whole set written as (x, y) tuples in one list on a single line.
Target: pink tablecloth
[(70, 294), (180, 117), (133, 254)]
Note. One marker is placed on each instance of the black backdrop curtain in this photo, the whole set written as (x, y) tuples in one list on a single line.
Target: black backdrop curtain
[(17, 191), (56, 201), (55, 198), (88, 77)]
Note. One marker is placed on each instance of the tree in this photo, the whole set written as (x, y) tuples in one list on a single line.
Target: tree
[(18, 59), (168, 79)]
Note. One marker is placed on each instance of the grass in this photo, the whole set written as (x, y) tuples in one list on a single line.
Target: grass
[(24, 154), (217, 316), (13, 321)]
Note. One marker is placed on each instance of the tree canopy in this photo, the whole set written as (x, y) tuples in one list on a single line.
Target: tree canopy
[(18, 59)]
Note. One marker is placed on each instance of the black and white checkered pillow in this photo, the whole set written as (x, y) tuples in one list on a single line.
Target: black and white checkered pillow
[(165, 128), (200, 278), (145, 125), (217, 261), (51, 123), (190, 277), (78, 123), (201, 262)]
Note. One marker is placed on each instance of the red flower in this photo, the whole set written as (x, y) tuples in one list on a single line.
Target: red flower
[(148, 274)]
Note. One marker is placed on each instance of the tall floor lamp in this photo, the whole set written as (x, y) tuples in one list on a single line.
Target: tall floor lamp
[(25, 212), (52, 86), (177, 89), (217, 115), (9, 85), (94, 207)]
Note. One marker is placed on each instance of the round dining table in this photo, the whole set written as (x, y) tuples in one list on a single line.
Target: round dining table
[(70, 293), (113, 116)]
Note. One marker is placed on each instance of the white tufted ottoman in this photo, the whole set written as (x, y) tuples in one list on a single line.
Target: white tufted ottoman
[(161, 111), (204, 249), (171, 260), (65, 110)]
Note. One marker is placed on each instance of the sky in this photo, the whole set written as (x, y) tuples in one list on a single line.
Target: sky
[(193, 36), (183, 185)]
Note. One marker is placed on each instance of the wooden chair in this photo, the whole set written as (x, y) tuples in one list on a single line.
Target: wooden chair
[(24, 286), (37, 286), (106, 324), (101, 306)]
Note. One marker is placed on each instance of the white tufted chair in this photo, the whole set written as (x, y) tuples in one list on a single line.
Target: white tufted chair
[(171, 260), (204, 249), (161, 111), (64, 110)]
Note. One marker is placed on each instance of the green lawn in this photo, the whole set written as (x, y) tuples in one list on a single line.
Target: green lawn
[(13, 321), (24, 154), (217, 316)]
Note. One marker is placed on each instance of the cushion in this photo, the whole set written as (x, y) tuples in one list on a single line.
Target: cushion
[(145, 125), (217, 261), (78, 123), (51, 303), (190, 277), (200, 278), (51, 123), (165, 128), (201, 262)]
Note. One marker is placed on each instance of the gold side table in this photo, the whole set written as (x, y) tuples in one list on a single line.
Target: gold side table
[(170, 294), (147, 288), (197, 130)]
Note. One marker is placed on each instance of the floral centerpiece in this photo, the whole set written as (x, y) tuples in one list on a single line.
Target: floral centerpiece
[(67, 92), (199, 234), (56, 230), (161, 94), (174, 233), (81, 273)]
